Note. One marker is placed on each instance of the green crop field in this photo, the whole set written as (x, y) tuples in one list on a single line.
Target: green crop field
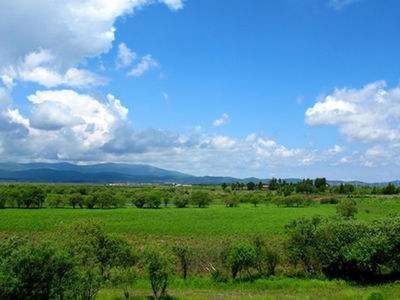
[(217, 220)]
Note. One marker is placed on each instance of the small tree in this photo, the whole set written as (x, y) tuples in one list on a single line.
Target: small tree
[(347, 208), (153, 199), (76, 199), (267, 257), (241, 256), (231, 200), (254, 199), (184, 254), (320, 184), (251, 186), (301, 244), (201, 198), (181, 200), (159, 268), (123, 278), (390, 189)]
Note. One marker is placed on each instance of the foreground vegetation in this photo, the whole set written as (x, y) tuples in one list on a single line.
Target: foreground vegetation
[(232, 241)]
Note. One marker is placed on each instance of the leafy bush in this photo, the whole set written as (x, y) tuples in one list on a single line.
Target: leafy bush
[(231, 200), (266, 257), (241, 256), (184, 254), (295, 200), (347, 249), (123, 278), (153, 199), (76, 199), (301, 245), (31, 270), (328, 200), (159, 268), (55, 200), (181, 201), (347, 208), (201, 199), (140, 200)]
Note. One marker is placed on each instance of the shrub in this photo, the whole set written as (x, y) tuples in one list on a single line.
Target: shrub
[(254, 199), (123, 278), (347, 208), (184, 254), (159, 268), (153, 199), (31, 270), (347, 249), (231, 200), (201, 199), (55, 200), (89, 201), (301, 245), (376, 296), (181, 201), (390, 189), (293, 201), (240, 256), (76, 199), (140, 200), (328, 200), (92, 246), (266, 257)]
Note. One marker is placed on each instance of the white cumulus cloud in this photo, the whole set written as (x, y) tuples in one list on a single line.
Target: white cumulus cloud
[(223, 120), (125, 56), (145, 64), (371, 113)]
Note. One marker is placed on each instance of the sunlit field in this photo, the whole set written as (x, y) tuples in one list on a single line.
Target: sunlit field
[(195, 223)]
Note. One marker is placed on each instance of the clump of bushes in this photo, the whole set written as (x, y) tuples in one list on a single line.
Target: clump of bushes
[(347, 249), (159, 268), (181, 200), (200, 198), (151, 199), (347, 208), (184, 254), (328, 200), (267, 257), (240, 256), (231, 200), (295, 200)]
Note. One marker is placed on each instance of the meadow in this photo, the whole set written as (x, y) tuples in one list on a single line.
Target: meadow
[(214, 221)]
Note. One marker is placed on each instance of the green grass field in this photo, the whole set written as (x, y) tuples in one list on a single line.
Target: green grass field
[(204, 227), (217, 220)]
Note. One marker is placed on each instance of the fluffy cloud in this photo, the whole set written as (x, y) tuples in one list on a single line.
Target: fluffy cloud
[(125, 56), (174, 4), (146, 63), (369, 114), (222, 121), (66, 125), (72, 29), (39, 67), (62, 35), (63, 125)]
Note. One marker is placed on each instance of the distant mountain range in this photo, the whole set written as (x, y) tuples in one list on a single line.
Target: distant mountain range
[(117, 173)]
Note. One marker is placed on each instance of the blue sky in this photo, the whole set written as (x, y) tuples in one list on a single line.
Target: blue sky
[(282, 88)]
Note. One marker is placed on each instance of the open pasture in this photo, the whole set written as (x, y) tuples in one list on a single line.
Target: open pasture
[(194, 223)]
